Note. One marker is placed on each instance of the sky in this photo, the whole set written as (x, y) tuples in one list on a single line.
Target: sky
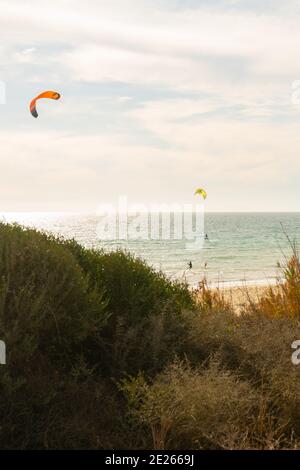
[(159, 97)]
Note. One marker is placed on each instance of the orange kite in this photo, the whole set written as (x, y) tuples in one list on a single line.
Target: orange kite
[(52, 95)]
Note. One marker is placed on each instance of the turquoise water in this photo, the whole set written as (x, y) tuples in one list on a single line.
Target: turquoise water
[(242, 247)]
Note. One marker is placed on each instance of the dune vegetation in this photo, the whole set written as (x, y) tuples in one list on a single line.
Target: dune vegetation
[(105, 353)]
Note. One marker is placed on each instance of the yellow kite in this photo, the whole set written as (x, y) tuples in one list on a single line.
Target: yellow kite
[(201, 192)]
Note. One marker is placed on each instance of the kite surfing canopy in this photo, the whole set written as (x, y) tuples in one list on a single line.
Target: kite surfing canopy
[(201, 192), (51, 95)]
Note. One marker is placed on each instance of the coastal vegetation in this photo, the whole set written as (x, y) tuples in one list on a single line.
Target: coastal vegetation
[(103, 352)]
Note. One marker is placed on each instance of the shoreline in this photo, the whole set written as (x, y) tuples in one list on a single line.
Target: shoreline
[(244, 284), (222, 284)]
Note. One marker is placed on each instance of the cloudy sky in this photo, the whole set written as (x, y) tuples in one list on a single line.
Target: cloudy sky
[(158, 97)]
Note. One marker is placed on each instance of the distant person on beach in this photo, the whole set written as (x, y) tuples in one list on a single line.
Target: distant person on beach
[(206, 236), (190, 265)]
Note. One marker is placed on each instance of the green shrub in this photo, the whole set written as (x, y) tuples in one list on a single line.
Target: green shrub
[(146, 328), (48, 312), (47, 308)]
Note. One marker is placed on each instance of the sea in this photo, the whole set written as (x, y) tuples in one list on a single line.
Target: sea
[(233, 248)]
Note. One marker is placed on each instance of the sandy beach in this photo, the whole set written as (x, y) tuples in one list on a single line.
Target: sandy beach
[(241, 296)]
